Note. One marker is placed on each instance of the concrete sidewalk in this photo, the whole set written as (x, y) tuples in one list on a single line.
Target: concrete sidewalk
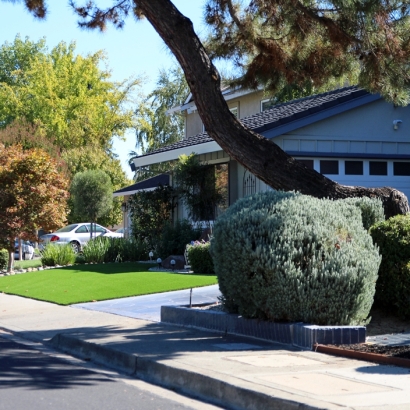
[(233, 372)]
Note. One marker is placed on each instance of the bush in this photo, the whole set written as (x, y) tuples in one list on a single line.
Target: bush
[(4, 259), (199, 257), (107, 249), (174, 238), (286, 256), (62, 255), (371, 210), (393, 286)]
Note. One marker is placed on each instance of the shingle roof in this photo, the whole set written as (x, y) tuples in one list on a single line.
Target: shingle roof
[(279, 115), (154, 182)]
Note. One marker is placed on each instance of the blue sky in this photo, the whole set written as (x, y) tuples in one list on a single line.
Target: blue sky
[(135, 50)]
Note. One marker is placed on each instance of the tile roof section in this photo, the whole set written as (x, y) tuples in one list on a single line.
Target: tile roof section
[(279, 115), (154, 182)]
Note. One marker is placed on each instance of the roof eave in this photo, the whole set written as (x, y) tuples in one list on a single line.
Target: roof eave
[(171, 155)]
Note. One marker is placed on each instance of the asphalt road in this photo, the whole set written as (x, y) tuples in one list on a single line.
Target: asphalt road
[(37, 378)]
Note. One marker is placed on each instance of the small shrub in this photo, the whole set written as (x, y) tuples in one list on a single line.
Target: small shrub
[(62, 255), (107, 249), (393, 285), (95, 250), (286, 256), (199, 257), (174, 238), (4, 258)]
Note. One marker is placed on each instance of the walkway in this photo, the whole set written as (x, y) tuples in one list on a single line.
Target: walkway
[(148, 307)]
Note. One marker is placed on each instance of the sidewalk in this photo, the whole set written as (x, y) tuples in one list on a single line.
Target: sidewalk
[(234, 372)]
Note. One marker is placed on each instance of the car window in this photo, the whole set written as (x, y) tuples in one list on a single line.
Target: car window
[(68, 228), (82, 229), (100, 229)]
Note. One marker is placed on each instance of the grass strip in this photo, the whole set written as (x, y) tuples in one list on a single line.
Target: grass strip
[(86, 283)]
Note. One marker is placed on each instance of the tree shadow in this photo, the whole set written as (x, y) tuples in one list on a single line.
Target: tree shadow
[(25, 367)]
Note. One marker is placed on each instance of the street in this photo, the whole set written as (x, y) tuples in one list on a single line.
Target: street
[(33, 377)]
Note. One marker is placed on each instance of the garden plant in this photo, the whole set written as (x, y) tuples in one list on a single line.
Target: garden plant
[(289, 257), (393, 285)]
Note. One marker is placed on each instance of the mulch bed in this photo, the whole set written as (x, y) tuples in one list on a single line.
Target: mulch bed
[(390, 351)]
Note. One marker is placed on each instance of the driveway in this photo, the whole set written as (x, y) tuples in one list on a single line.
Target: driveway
[(148, 307)]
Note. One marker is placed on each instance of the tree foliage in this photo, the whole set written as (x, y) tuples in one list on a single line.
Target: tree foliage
[(95, 158), (150, 212), (370, 35), (92, 194), (75, 104), (33, 195), (284, 42), (197, 187), (154, 127)]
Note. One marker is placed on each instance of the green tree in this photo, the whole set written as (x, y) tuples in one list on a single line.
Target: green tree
[(154, 127), (95, 158), (92, 195), (197, 187), (150, 212), (313, 40), (33, 195), (75, 104)]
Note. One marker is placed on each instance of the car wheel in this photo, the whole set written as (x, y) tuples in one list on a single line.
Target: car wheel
[(76, 247)]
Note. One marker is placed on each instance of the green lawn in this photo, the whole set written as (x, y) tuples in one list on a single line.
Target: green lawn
[(86, 283), (34, 263)]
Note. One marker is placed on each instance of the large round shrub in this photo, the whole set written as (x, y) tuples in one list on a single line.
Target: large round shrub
[(286, 256), (393, 285)]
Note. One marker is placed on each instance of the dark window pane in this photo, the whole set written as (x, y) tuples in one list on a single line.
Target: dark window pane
[(329, 167), (401, 168), (307, 162), (353, 167), (378, 168)]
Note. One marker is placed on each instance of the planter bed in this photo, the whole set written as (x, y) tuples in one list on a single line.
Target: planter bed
[(392, 355), (297, 334)]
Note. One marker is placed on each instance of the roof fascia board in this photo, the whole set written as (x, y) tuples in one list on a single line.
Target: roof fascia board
[(165, 156), (313, 154), (322, 115)]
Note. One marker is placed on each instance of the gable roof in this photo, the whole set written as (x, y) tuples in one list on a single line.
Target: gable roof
[(148, 184), (276, 121)]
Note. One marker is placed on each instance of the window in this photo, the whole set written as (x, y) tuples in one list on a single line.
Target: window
[(234, 111), (307, 162), (378, 167), (267, 104), (82, 229), (353, 167), (329, 167), (401, 168)]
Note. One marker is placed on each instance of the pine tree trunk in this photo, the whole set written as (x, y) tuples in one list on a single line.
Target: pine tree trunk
[(259, 155)]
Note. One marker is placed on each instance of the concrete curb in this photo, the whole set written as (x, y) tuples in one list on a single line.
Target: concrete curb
[(192, 383), (297, 334)]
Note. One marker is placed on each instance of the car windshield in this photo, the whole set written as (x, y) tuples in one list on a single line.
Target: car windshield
[(68, 228)]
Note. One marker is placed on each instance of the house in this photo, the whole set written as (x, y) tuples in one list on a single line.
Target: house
[(349, 135)]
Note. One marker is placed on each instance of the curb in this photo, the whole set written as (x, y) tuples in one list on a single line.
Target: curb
[(301, 335), (194, 384)]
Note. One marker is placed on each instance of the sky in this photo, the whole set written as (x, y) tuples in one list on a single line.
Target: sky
[(136, 50)]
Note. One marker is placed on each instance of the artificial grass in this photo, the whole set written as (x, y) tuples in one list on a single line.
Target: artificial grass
[(34, 263), (87, 283)]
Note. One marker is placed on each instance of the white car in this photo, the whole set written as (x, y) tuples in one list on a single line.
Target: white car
[(77, 235)]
